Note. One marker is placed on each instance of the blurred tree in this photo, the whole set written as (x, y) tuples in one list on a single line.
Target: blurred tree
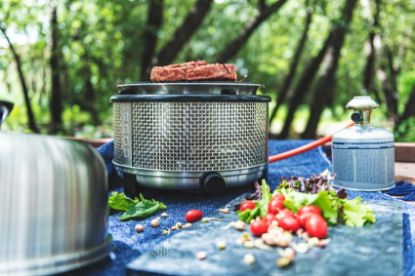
[(368, 82), (55, 59), (233, 46), (151, 30), (286, 85), (325, 86), (23, 83)]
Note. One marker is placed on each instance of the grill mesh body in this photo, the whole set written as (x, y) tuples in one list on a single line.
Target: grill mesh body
[(190, 136)]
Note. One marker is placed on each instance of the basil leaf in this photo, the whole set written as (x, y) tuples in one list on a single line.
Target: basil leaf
[(119, 202), (142, 209)]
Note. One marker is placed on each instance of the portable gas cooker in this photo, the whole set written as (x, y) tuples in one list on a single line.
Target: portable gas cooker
[(202, 136)]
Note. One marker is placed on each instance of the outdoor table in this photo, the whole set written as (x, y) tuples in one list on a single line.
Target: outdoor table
[(128, 245)]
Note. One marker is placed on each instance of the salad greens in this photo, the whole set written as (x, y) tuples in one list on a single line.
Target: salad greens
[(119, 202), (137, 208), (261, 208), (317, 191)]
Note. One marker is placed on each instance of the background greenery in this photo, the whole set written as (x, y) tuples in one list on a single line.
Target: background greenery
[(73, 53)]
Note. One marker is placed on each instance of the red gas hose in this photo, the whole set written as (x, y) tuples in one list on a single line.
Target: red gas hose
[(302, 149)]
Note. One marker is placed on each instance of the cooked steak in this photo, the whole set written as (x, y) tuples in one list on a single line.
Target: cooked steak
[(193, 71)]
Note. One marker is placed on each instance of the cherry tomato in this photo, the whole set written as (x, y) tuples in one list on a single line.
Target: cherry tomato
[(276, 204), (289, 223), (258, 227), (284, 213), (316, 226), (304, 217), (279, 197), (309, 209), (248, 204), (193, 215), (270, 218)]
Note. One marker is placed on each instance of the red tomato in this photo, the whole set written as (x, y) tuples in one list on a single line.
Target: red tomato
[(276, 204), (284, 213), (316, 226), (258, 227), (248, 204), (269, 218), (279, 197), (289, 223), (304, 217), (193, 215), (309, 209)]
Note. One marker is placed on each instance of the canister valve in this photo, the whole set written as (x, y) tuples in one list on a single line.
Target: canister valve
[(362, 106), (356, 117)]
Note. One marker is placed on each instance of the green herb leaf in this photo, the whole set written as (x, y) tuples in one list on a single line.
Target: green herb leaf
[(137, 208), (142, 209), (265, 198), (119, 202), (356, 214), (249, 214)]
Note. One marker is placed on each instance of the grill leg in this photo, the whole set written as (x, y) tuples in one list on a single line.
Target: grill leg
[(131, 186)]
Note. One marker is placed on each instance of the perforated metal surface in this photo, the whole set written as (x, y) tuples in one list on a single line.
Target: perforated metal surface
[(194, 136)]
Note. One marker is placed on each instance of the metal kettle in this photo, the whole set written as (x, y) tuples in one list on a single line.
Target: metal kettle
[(53, 204), (363, 156)]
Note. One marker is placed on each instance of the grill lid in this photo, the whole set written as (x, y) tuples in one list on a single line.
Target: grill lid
[(198, 88)]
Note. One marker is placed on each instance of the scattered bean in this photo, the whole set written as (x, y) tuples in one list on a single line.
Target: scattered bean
[(288, 253), (164, 232), (301, 247), (164, 215), (249, 259), (179, 225), (139, 228), (187, 225), (283, 262), (155, 222), (239, 225), (201, 255), (224, 210), (221, 245), (249, 244)]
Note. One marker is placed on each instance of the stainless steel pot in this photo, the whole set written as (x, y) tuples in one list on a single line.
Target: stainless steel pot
[(190, 136), (53, 205)]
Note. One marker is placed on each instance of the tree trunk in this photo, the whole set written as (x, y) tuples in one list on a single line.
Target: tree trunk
[(30, 117), (409, 108), (326, 83), (233, 47), (184, 32), (303, 86), (369, 69), (56, 91), (282, 95), (388, 75), (154, 23)]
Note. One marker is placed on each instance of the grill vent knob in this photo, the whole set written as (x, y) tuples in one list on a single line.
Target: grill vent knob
[(212, 183)]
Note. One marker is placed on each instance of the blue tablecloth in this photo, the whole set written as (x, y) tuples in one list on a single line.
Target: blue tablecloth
[(128, 244)]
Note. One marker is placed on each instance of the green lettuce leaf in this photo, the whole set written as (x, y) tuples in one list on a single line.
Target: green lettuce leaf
[(356, 214), (329, 206)]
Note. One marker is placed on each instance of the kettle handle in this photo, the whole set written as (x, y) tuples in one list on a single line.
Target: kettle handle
[(5, 109)]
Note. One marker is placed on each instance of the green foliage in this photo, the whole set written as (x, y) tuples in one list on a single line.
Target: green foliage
[(101, 45)]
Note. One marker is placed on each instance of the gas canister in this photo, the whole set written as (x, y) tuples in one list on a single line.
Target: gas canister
[(363, 156)]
